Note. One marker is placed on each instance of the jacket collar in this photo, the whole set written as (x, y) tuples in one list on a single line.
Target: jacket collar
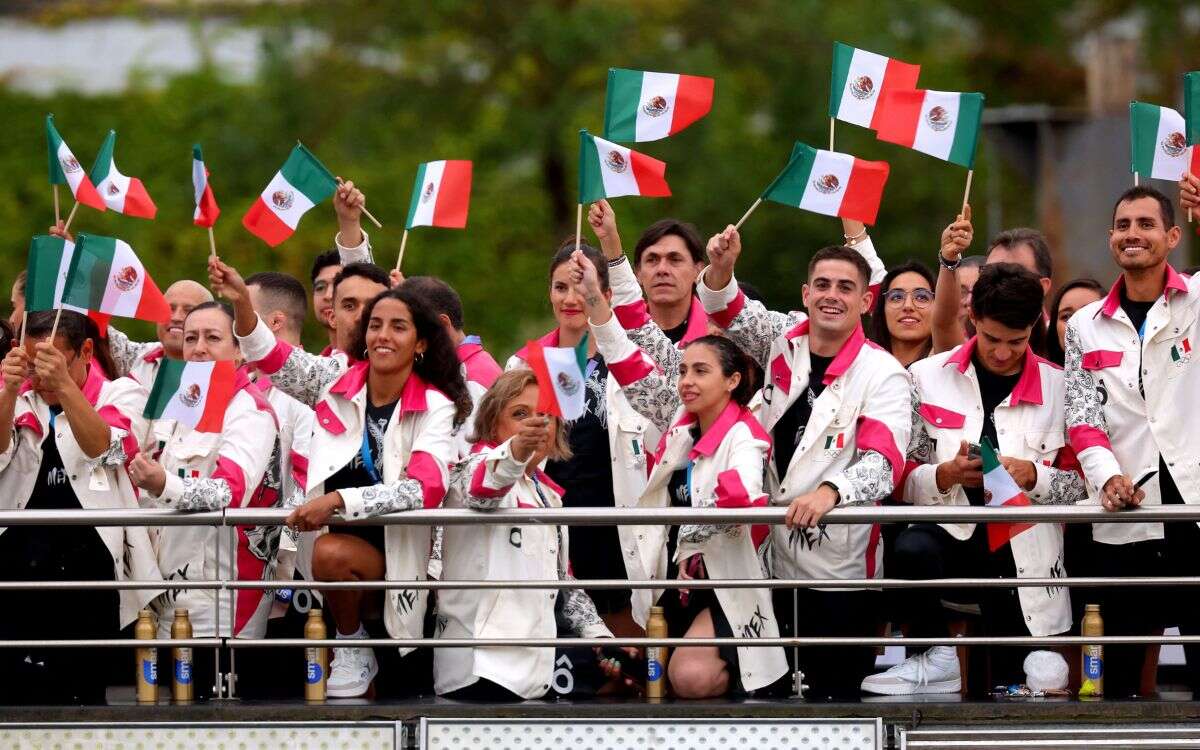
[(845, 356), (470, 346), (1028, 389), (154, 354), (550, 339), (697, 322), (1174, 282), (732, 414), (354, 380)]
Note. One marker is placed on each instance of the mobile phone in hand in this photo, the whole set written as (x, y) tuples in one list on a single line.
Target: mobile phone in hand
[(632, 667), (974, 450)]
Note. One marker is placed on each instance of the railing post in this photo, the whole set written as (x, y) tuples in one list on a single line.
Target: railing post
[(231, 682), (218, 682)]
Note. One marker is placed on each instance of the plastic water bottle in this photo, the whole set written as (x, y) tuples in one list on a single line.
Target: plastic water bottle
[(146, 659), (1092, 685)]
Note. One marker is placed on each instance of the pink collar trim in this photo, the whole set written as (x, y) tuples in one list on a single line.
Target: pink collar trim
[(154, 354), (845, 356), (709, 442), (697, 322), (1174, 282), (550, 339), (354, 380), (94, 382), (1028, 389)]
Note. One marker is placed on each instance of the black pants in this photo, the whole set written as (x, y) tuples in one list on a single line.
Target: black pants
[(831, 673), (926, 551)]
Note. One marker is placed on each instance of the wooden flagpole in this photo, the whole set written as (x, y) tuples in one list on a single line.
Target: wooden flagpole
[(1135, 179), (54, 328), (403, 242), (70, 217), (24, 325), (746, 215), (57, 212), (366, 213), (832, 120), (967, 192), (212, 244), (578, 225)]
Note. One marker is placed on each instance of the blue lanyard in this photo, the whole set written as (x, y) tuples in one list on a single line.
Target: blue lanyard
[(365, 452), (690, 464), (472, 339)]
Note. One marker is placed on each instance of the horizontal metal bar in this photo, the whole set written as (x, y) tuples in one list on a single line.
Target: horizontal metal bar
[(115, 643), (610, 583), (1025, 640), (856, 514)]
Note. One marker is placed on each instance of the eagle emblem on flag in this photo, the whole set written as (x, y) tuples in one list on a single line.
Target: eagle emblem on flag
[(1173, 144), (569, 385), (616, 162), (862, 87), (69, 164), (190, 396), (827, 184), (938, 118), (655, 106), (126, 279), (113, 189), (427, 193), (283, 199)]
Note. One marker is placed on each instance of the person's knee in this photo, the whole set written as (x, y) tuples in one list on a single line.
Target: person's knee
[(694, 676), (916, 555), (331, 560)]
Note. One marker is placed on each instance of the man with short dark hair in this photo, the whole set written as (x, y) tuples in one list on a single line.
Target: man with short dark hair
[(279, 300), (838, 411), (993, 388), (1132, 390), (352, 245)]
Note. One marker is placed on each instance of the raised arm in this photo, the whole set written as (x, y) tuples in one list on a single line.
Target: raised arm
[(855, 234), (353, 244), (947, 297)]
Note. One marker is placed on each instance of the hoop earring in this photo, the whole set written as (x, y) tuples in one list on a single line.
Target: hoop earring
[(364, 354), (419, 357)]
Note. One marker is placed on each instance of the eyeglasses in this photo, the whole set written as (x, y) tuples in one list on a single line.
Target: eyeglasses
[(921, 297)]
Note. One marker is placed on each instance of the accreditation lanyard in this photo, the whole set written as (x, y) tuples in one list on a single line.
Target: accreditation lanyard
[(367, 461)]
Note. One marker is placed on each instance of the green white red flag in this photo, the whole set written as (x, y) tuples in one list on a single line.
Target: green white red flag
[(944, 124), (830, 183), (206, 212), (560, 373), (441, 195), (999, 489), (106, 276), (607, 170), (861, 78), (65, 169), (47, 266), (1191, 106), (1158, 140), (125, 195), (645, 106), (194, 393), (301, 183)]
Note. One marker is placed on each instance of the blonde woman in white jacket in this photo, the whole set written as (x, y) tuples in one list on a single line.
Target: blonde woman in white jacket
[(713, 454)]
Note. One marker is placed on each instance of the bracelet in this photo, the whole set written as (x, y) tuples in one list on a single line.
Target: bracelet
[(837, 493), (853, 240), (949, 265), (613, 263)]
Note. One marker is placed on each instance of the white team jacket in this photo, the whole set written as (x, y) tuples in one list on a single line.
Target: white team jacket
[(237, 467), (853, 440), (492, 479), (99, 483), (629, 433), (136, 360), (418, 450), (1113, 428), (1030, 426)]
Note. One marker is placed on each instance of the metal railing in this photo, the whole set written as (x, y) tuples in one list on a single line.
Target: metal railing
[(233, 517)]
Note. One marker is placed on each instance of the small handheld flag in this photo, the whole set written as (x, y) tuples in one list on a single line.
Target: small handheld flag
[(1159, 146), (441, 195), (607, 170), (65, 169), (194, 393), (106, 276), (944, 124), (999, 489), (830, 183), (861, 79), (48, 263), (561, 374), (125, 195), (645, 106), (301, 183), (207, 211)]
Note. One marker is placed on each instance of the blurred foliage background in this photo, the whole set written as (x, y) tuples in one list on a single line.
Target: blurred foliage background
[(387, 85)]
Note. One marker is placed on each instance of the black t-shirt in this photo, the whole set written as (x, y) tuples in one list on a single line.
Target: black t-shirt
[(355, 472), (677, 333), (993, 389), (679, 490), (1137, 311), (789, 430), (52, 490)]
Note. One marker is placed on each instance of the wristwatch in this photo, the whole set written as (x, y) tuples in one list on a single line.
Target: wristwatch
[(836, 492), (949, 265)]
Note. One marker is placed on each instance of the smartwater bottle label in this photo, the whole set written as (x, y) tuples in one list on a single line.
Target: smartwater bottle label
[(1093, 667), (312, 667), (150, 671), (183, 667), (654, 663)]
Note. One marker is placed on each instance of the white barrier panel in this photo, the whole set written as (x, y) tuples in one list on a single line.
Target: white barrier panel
[(368, 735)]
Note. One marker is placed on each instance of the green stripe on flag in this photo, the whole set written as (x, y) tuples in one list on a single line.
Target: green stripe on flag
[(45, 259), (843, 55), (988, 454), (104, 159), (591, 182), (1143, 135), (418, 186), (196, 153), (788, 187), (621, 104), (966, 134), (307, 174), (91, 267), (166, 385), (1191, 105), (53, 141), (581, 353)]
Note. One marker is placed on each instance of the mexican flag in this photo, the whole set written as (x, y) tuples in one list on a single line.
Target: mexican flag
[(561, 372), (125, 195), (66, 170), (944, 124), (830, 183), (645, 106), (206, 212), (860, 79), (607, 170), (441, 195), (1191, 106), (300, 184), (49, 260), (194, 393), (106, 276), (1159, 147), (1000, 489)]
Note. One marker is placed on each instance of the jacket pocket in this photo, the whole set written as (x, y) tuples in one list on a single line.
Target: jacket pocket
[(941, 417), (1101, 359), (328, 419)]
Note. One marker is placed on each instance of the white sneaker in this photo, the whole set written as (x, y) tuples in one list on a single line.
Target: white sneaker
[(934, 671), (351, 672)]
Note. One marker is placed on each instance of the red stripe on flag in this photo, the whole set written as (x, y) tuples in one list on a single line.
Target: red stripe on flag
[(152, 305), (535, 357), (454, 196), (1001, 533), (897, 116), (89, 196), (651, 175), (221, 388), (898, 76), (864, 191), (137, 201), (693, 100), (264, 224)]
